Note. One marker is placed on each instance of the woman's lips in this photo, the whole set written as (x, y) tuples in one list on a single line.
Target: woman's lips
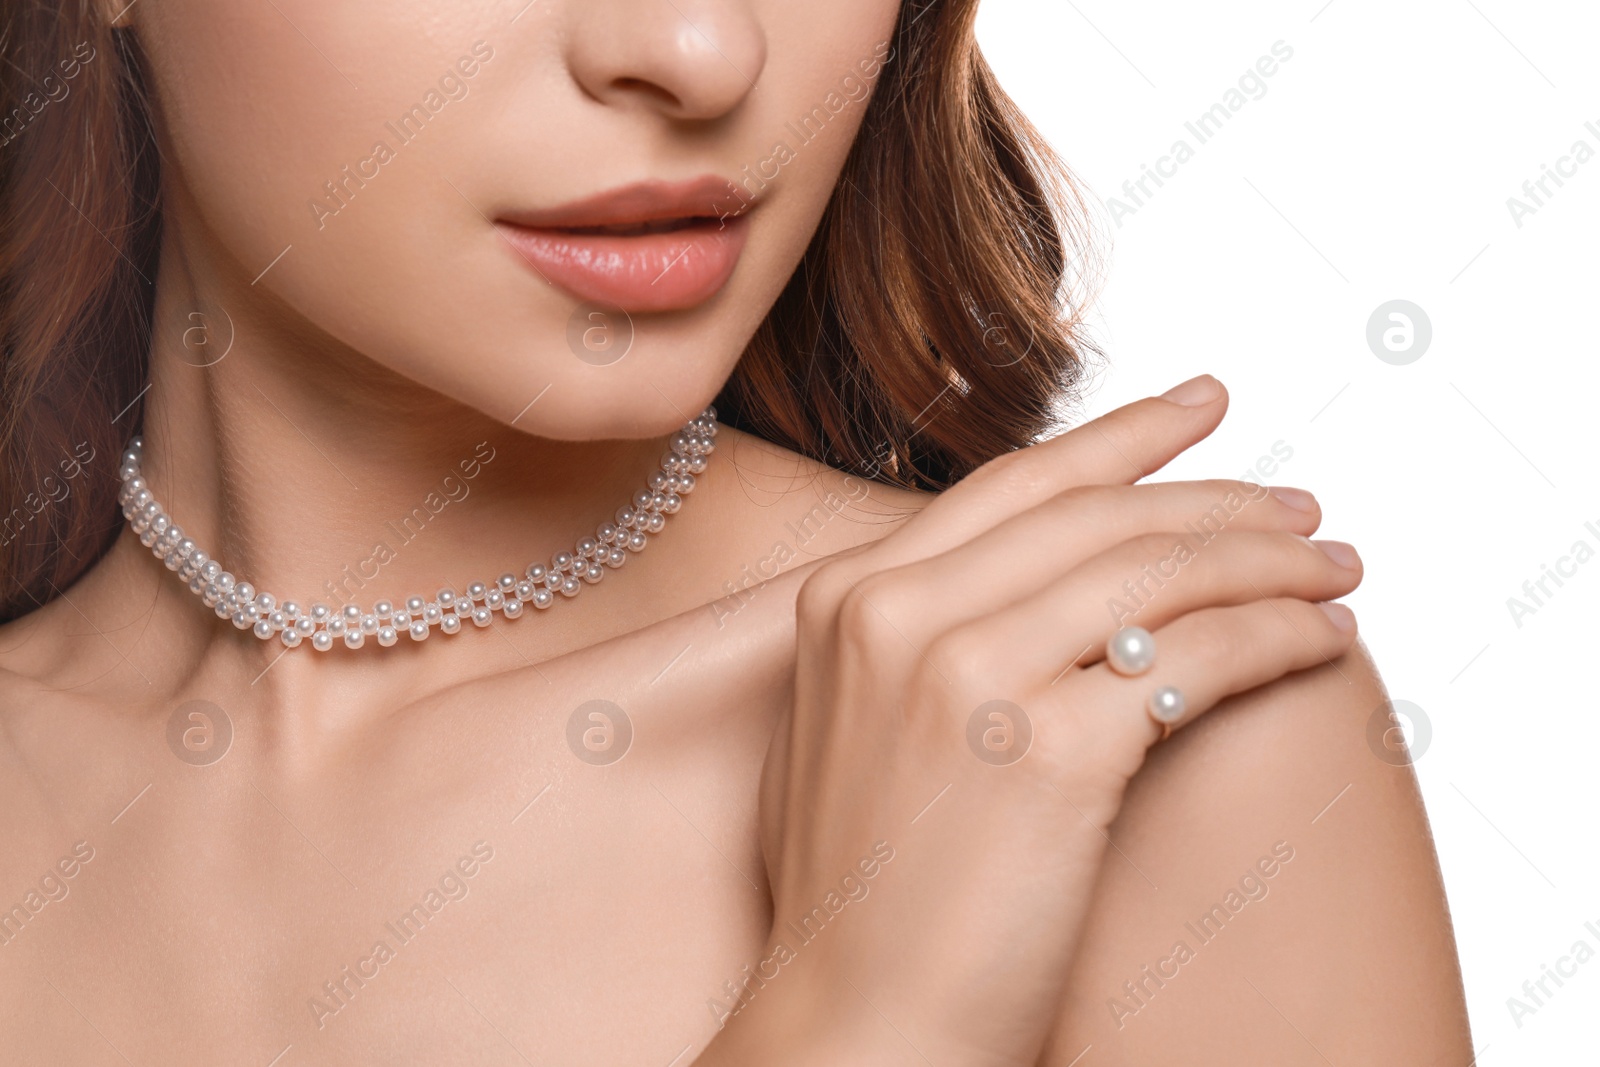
[(645, 270), (649, 246)]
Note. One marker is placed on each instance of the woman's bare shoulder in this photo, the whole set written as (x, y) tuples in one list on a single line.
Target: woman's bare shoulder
[(1273, 894)]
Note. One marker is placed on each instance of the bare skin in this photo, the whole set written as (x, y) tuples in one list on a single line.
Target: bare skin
[(588, 911)]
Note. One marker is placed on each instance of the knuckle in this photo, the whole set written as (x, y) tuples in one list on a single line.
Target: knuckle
[(1221, 636), (1297, 549), (963, 662), (820, 594), (1088, 501), (862, 617), (1224, 490), (1016, 476), (1154, 544)]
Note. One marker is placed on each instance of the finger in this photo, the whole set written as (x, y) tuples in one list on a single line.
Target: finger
[(1010, 562), (1151, 581), (1118, 448), (1212, 654)]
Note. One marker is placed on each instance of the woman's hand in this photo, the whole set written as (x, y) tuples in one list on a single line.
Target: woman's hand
[(934, 813)]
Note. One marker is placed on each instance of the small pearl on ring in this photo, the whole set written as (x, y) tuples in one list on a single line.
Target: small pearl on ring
[(1131, 650), (1166, 705)]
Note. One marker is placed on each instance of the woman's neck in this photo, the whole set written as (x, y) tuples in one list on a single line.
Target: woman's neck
[(318, 475)]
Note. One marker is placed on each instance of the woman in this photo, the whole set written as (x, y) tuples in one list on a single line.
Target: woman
[(341, 305)]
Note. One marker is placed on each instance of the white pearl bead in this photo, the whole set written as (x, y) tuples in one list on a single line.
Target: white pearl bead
[(264, 629), (322, 640), (418, 631), (511, 608), (354, 638), (1167, 704), (482, 617), (450, 623), (387, 636), (1131, 650), (290, 638)]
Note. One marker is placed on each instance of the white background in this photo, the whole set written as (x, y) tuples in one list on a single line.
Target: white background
[(1377, 166)]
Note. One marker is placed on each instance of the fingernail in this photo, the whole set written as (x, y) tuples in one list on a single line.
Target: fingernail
[(1342, 554), (1298, 499), (1341, 617), (1194, 392)]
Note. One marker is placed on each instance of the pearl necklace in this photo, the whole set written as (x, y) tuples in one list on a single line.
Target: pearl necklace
[(320, 626)]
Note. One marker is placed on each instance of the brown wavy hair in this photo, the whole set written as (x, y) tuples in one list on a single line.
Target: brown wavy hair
[(934, 322)]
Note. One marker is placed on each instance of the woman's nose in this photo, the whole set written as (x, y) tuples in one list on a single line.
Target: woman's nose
[(687, 59)]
